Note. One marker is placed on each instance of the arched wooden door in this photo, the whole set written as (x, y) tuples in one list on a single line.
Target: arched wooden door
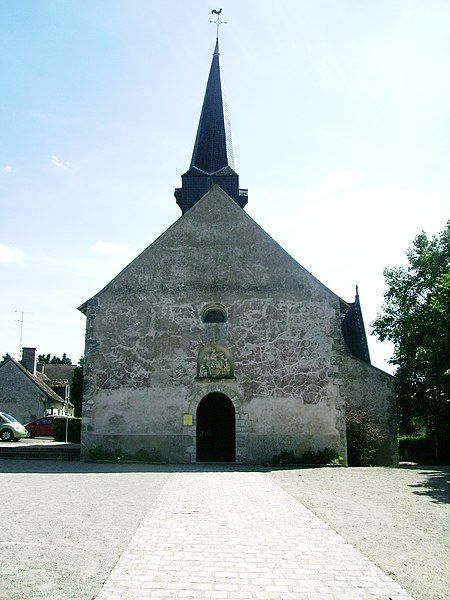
[(216, 429)]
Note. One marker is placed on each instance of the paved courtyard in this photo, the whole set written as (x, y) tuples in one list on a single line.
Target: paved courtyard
[(399, 518), (239, 535), (82, 531)]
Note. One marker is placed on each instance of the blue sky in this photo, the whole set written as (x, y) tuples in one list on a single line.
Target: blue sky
[(340, 122)]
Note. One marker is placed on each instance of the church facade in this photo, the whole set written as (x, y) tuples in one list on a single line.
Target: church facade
[(215, 345)]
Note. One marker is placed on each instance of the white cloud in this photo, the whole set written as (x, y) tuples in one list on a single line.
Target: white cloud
[(8, 254), (6, 169), (110, 248), (340, 179), (58, 163)]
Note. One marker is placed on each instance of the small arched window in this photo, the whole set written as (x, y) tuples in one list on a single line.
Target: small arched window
[(214, 314)]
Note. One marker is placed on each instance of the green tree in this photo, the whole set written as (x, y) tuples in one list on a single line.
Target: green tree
[(61, 361), (415, 317), (44, 358), (5, 357), (54, 360), (76, 389)]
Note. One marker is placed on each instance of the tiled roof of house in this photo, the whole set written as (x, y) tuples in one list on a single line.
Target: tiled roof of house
[(56, 382), (57, 371)]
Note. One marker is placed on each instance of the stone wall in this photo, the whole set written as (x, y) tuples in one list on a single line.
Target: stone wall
[(19, 396), (141, 380), (370, 390), (144, 331)]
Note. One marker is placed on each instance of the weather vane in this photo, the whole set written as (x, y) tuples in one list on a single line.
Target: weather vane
[(218, 22)]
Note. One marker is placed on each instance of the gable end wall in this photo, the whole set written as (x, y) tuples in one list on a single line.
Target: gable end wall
[(19, 396), (144, 331)]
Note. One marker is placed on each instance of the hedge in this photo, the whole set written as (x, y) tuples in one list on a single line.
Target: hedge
[(73, 432)]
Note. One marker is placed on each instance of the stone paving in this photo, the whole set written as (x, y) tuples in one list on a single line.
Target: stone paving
[(237, 535)]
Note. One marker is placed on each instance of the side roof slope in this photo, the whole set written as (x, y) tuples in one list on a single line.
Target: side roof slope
[(38, 382)]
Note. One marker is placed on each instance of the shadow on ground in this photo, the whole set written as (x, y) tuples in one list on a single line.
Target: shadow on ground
[(436, 483), (51, 466)]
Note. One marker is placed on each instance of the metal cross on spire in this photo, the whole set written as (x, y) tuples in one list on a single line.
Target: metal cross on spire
[(218, 22)]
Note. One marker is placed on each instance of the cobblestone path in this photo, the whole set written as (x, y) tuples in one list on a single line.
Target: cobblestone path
[(238, 535)]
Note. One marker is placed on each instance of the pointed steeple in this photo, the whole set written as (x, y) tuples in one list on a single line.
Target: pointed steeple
[(212, 159), (212, 149)]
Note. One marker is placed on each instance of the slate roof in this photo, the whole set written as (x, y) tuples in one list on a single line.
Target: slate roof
[(38, 382), (354, 332), (213, 149), (56, 382), (57, 371)]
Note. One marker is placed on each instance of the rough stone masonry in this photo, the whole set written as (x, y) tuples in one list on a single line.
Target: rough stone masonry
[(293, 373)]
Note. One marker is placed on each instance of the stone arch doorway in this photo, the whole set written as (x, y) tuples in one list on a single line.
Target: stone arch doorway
[(216, 429)]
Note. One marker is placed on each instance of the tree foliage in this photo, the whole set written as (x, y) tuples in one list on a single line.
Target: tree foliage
[(54, 360), (363, 439), (5, 357), (76, 389), (415, 317)]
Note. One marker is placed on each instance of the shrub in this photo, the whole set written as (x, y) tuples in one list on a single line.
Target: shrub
[(143, 455), (285, 458), (73, 432), (101, 453), (327, 456), (154, 455), (363, 439)]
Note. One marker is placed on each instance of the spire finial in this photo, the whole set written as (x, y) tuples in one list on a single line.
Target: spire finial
[(218, 22)]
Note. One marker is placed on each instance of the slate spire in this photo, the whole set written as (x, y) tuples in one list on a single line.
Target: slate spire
[(212, 159), (212, 149), (354, 332)]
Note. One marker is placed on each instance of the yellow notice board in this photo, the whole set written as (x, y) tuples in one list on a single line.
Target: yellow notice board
[(187, 420)]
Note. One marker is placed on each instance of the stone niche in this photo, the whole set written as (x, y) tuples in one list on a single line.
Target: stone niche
[(215, 361)]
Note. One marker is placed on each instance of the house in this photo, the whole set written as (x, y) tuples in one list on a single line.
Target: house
[(57, 376), (214, 344), (27, 396)]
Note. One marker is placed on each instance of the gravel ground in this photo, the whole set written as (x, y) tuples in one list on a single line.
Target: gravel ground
[(65, 524), (399, 518)]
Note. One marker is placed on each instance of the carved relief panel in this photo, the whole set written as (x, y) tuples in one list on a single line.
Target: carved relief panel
[(215, 361)]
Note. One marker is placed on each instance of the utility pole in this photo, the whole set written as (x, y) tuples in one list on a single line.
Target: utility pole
[(22, 323)]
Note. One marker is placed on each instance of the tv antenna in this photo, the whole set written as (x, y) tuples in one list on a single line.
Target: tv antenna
[(22, 323)]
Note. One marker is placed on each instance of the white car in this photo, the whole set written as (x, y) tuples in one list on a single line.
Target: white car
[(10, 428)]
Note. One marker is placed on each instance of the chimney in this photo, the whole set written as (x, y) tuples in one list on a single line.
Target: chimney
[(29, 359)]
